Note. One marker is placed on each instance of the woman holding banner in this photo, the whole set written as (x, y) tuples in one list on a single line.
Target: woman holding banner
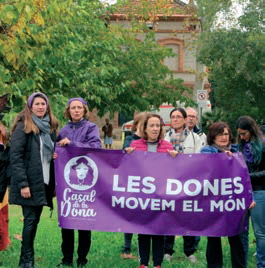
[(219, 141), (251, 144), (186, 142), (32, 178), (79, 132), (151, 141)]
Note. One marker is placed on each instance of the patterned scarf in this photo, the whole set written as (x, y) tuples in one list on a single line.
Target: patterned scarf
[(44, 127), (222, 149), (177, 139)]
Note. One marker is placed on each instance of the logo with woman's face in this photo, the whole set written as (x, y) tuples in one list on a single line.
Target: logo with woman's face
[(81, 173)]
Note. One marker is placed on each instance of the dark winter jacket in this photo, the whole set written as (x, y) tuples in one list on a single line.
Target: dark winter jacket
[(4, 171), (257, 173), (129, 139), (26, 169)]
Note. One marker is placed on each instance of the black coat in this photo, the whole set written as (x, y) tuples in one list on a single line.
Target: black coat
[(257, 173), (26, 169), (4, 171)]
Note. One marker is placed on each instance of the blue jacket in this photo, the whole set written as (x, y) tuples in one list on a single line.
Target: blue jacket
[(83, 133), (209, 149)]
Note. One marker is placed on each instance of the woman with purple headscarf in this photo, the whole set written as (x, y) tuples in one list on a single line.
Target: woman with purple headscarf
[(32, 177), (80, 132)]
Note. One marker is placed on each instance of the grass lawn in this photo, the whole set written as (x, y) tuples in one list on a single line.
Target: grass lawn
[(105, 250)]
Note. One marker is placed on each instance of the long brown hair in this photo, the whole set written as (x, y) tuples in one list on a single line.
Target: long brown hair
[(137, 119), (161, 132), (26, 116), (256, 138)]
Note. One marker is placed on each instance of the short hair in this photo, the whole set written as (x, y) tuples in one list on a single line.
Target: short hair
[(138, 118), (148, 116), (81, 161), (181, 110), (68, 115), (215, 129), (191, 109)]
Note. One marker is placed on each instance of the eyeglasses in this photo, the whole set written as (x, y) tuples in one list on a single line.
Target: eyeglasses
[(242, 133), (176, 117), (222, 134)]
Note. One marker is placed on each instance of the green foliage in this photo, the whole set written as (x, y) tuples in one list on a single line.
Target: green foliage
[(219, 115), (235, 58), (105, 248), (67, 48)]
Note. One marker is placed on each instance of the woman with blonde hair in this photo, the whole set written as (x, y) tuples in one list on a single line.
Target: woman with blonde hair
[(32, 178)]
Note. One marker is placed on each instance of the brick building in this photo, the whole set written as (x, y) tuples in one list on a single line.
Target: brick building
[(176, 31)]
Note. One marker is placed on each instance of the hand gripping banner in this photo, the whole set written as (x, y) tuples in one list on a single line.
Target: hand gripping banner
[(152, 193)]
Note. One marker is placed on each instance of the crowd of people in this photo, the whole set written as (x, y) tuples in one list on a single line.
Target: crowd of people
[(27, 166)]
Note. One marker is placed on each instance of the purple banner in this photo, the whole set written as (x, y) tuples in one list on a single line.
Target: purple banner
[(152, 193)]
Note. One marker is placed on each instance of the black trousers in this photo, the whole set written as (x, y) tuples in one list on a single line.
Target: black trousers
[(127, 243), (214, 253), (144, 244), (31, 219), (68, 241), (190, 244)]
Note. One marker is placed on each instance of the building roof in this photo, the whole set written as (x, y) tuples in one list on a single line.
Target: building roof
[(147, 9)]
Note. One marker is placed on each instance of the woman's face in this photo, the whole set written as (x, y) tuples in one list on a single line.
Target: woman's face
[(244, 134), (177, 120), (76, 110), (222, 139), (153, 129), (81, 171), (39, 107)]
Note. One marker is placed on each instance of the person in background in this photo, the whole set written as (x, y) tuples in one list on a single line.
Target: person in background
[(219, 141), (136, 135), (136, 130), (80, 132), (107, 130), (32, 174), (151, 141), (187, 142), (191, 123), (251, 144), (4, 181)]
